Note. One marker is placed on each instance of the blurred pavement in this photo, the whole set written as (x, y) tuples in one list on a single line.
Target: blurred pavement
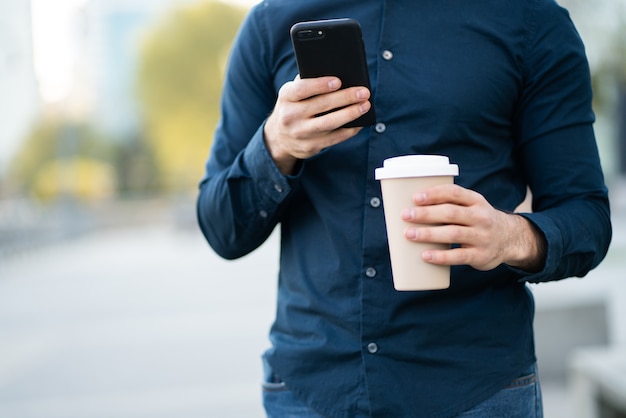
[(134, 323)]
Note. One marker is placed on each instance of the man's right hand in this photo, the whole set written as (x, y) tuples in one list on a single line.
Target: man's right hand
[(294, 131)]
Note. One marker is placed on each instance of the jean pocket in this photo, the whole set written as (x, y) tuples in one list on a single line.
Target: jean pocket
[(521, 398), (272, 383), (527, 379), (274, 387)]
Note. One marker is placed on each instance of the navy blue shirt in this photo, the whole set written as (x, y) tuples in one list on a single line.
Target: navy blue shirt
[(503, 89)]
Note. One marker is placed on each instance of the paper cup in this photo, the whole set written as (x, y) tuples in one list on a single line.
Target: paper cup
[(400, 178)]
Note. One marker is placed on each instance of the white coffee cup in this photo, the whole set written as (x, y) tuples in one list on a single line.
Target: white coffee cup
[(400, 178)]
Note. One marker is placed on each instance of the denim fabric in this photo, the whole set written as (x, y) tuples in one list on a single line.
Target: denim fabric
[(519, 399), (279, 401)]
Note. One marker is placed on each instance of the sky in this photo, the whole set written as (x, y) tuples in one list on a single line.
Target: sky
[(53, 46), (54, 53)]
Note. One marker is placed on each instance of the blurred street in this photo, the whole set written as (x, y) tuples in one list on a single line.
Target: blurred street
[(148, 322), (134, 323)]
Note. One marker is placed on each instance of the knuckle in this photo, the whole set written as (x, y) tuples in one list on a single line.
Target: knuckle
[(285, 115), (468, 258), (419, 213), (453, 213), (286, 119), (456, 235), (287, 89), (297, 91), (299, 136), (424, 234), (324, 124)]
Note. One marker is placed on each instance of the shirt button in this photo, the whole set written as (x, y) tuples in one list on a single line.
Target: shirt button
[(370, 272), (375, 202), (263, 214), (372, 348), (278, 188), (387, 55), (380, 128)]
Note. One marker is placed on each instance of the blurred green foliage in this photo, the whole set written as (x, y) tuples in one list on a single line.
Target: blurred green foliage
[(63, 158), (180, 79)]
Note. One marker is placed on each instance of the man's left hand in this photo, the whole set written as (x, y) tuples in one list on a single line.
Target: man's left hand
[(487, 237)]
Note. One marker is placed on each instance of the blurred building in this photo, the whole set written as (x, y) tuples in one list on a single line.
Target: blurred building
[(113, 32), (602, 26), (19, 99)]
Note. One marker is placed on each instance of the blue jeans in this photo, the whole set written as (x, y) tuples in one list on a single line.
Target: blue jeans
[(520, 399)]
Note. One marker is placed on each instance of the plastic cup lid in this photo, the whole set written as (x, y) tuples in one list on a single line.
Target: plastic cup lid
[(416, 166)]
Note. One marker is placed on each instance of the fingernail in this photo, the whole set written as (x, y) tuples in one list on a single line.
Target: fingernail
[(419, 197), (410, 233), (333, 84), (427, 256), (407, 214), (362, 93), (364, 107)]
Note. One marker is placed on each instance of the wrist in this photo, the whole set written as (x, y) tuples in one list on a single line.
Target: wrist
[(283, 160), (528, 246)]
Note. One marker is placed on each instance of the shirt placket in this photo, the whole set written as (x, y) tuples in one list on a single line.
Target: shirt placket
[(376, 274)]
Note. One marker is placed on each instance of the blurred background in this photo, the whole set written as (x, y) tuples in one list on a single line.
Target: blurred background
[(112, 304)]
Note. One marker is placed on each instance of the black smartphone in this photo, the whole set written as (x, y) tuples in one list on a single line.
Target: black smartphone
[(333, 47)]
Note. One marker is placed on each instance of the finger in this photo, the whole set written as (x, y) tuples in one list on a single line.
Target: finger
[(457, 257), (305, 88), (335, 119), (442, 257), (452, 214), (324, 104), (452, 257), (445, 234), (323, 113), (446, 193), (340, 136)]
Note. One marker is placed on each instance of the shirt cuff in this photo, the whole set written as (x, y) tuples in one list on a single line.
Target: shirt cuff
[(271, 182), (554, 249)]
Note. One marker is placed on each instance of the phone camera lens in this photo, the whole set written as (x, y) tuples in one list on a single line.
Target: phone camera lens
[(305, 34)]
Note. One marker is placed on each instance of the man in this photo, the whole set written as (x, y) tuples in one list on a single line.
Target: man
[(503, 89)]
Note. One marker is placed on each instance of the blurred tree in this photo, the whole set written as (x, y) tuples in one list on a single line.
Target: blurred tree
[(81, 178), (180, 80), (61, 158), (135, 167)]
